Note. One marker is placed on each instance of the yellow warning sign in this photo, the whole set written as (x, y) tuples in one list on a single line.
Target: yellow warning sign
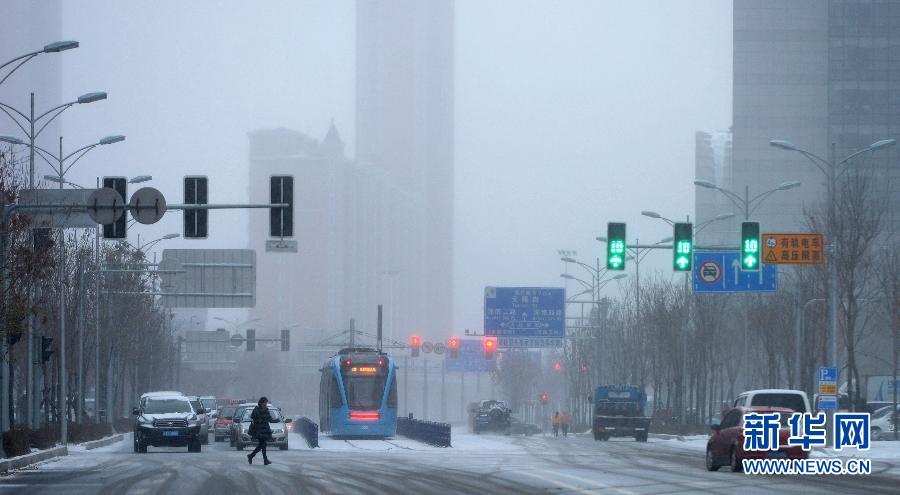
[(827, 389), (793, 249)]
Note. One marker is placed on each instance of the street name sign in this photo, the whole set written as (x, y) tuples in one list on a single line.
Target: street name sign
[(525, 316), (208, 278), (720, 271), (793, 249)]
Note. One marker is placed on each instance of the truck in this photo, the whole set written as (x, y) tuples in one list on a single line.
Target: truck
[(619, 412)]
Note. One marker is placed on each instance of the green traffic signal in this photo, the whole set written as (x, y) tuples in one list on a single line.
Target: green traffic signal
[(750, 246), (683, 247), (615, 246)]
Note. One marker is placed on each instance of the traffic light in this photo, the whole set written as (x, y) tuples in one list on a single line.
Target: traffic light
[(490, 344), (196, 222), (119, 228), (285, 340), (750, 246), (683, 247), (414, 344), (45, 349), (281, 220), (544, 398), (453, 344), (615, 246), (251, 339), (557, 366)]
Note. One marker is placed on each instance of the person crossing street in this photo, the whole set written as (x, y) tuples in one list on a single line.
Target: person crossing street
[(260, 429)]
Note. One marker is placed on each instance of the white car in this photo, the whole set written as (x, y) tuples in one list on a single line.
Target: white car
[(774, 397), (278, 425), (883, 424)]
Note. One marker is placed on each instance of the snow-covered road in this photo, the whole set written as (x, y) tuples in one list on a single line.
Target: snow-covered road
[(475, 464)]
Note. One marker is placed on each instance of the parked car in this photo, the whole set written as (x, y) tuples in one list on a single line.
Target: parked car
[(279, 429), (725, 446), (235, 423), (166, 421), (883, 423), (204, 419), (517, 427), (222, 423), (774, 397)]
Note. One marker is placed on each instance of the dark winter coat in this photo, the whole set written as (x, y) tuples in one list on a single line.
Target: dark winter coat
[(259, 423)]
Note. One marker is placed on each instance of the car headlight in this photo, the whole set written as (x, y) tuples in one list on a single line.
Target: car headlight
[(193, 422), (144, 420)]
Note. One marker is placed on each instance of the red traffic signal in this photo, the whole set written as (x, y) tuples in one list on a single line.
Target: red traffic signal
[(544, 397), (414, 343), (490, 344), (453, 344), (557, 366)]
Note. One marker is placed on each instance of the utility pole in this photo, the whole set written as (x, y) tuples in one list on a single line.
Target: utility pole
[(406, 384), (462, 393), (79, 408), (443, 393), (425, 388)]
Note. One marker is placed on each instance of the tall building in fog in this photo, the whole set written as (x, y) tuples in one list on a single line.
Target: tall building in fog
[(404, 124), (817, 73), (26, 26), (713, 163), (814, 73), (355, 229)]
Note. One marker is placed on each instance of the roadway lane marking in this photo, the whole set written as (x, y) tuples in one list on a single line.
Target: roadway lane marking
[(596, 486)]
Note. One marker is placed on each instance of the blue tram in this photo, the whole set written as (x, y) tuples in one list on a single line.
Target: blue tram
[(358, 394)]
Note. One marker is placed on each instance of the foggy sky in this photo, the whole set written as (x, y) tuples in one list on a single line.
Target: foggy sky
[(568, 114)]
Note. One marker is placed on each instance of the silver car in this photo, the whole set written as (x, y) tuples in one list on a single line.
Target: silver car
[(203, 417), (279, 430)]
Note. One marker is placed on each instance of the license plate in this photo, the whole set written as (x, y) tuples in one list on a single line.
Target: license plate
[(170, 433)]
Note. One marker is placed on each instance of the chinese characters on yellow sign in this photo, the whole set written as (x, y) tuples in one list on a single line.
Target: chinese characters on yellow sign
[(793, 249)]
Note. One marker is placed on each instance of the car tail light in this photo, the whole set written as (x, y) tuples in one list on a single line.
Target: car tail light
[(365, 416)]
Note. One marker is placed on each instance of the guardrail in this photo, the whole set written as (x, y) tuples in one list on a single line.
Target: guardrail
[(309, 430), (430, 432)]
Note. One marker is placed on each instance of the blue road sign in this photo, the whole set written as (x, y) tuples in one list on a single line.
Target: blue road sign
[(827, 403), (828, 375), (471, 358), (720, 271), (526, 316)]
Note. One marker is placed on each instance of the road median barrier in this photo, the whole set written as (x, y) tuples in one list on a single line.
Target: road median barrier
[(309, 429), (430, 432), (21, 461), (103, 442)]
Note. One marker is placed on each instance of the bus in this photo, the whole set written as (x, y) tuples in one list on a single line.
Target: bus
[(358, 394)]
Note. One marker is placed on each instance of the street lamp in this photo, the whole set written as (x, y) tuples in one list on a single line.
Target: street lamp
[(746, 204), (55, 47), (31, 120), (830, 170)]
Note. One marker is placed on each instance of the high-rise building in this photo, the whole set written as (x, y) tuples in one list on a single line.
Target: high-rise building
[(817, 74), (824, 75), (713, 163), (404, 125)]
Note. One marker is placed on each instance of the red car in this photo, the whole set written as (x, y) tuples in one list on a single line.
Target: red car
[(726, 442), (222, 426)]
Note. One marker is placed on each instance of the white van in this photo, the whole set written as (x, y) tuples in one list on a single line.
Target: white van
[(775, 397)]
